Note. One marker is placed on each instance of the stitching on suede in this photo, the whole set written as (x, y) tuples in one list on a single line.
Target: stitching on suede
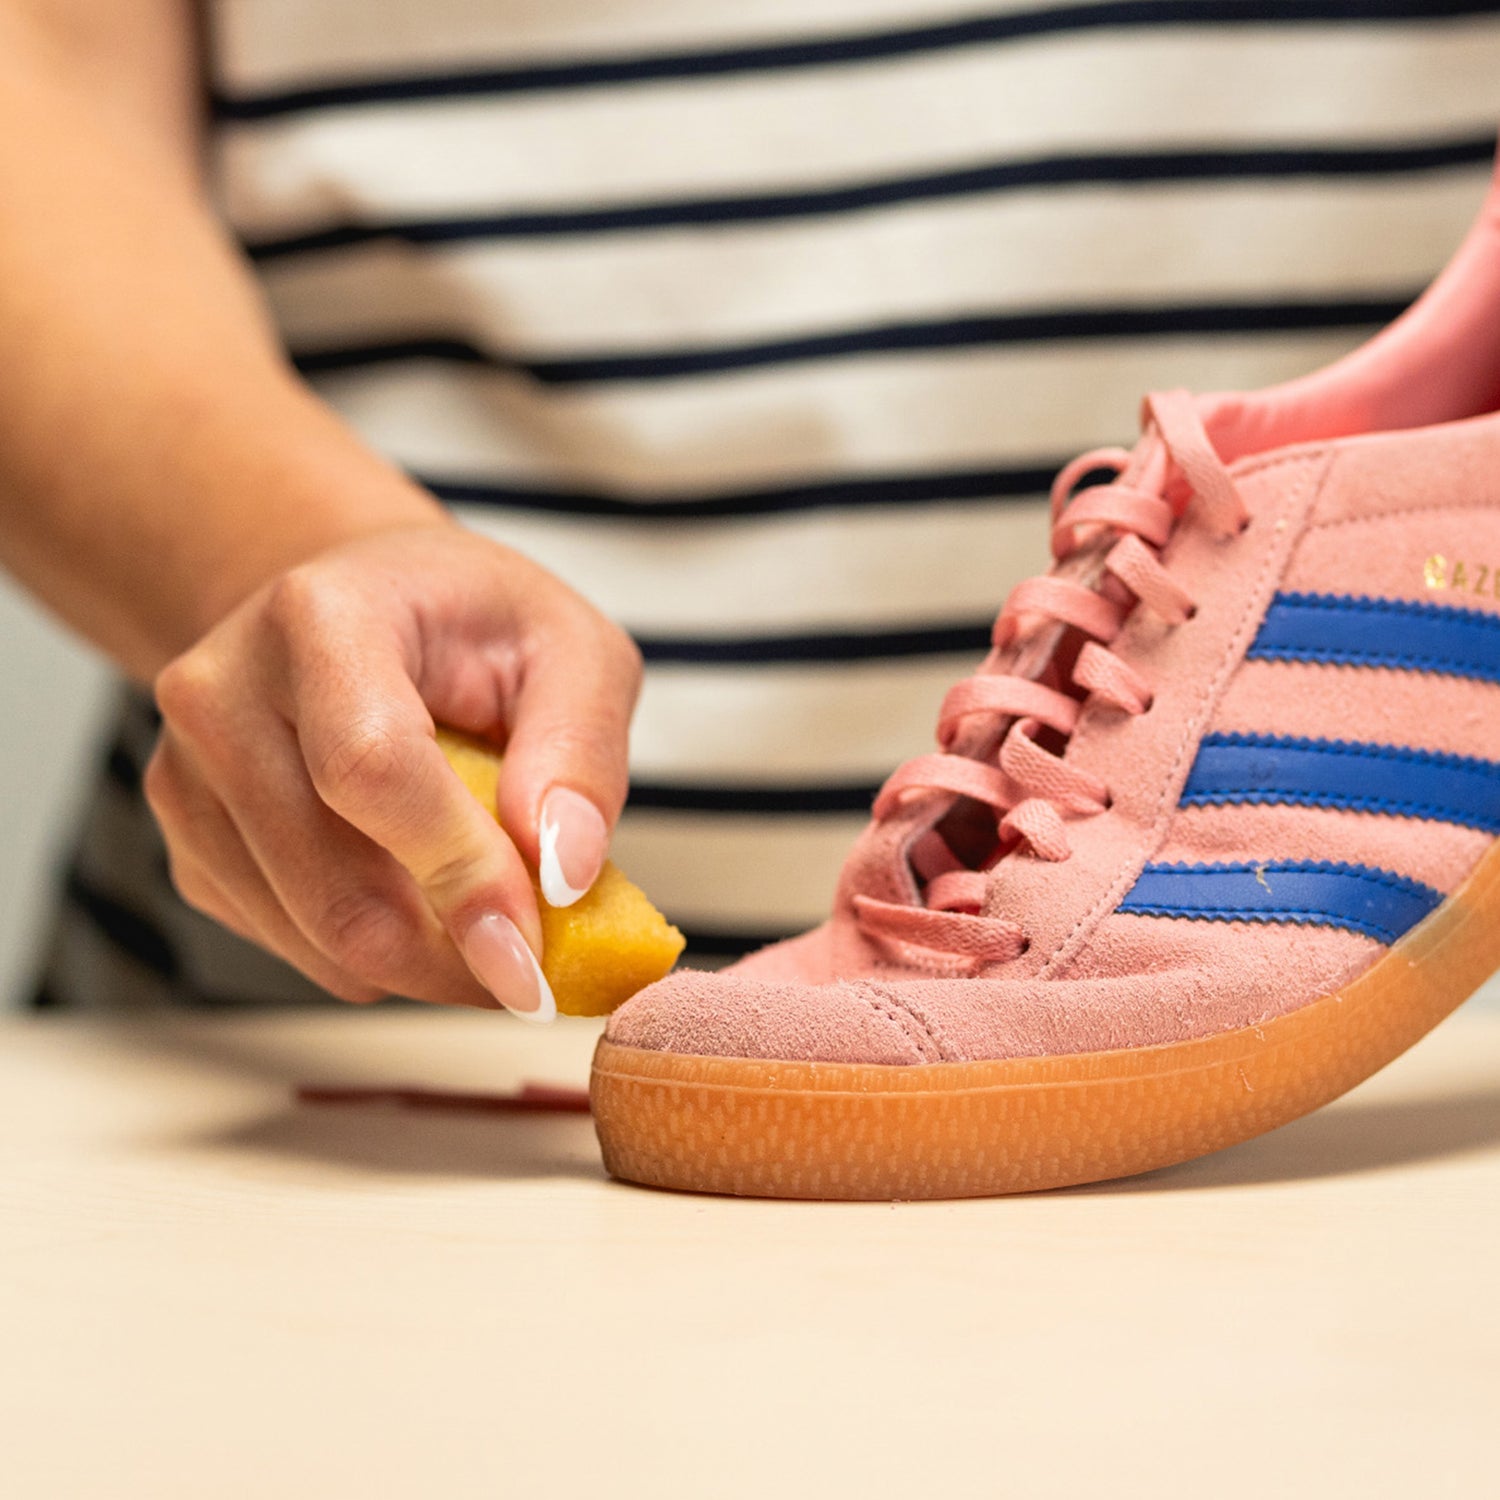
[(1399, 609), (911, 1026), (1443, 760), (1449, 760), (1373, 604), (930, 1028), (1371, 874), (1448, 666), (1258, 796), (1298, 916), (1454, 507), (1319, 464), (1385, 880), (1263, 463)]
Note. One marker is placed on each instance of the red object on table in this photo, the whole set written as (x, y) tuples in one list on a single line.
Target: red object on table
[(530, 1098)]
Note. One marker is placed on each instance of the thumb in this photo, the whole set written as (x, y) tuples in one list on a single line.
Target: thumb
[(566, 772)]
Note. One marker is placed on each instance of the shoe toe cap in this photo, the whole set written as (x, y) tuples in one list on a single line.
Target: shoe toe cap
[(729, 1015)]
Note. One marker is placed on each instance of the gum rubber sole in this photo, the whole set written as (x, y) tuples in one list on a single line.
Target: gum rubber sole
[(964, 1130)]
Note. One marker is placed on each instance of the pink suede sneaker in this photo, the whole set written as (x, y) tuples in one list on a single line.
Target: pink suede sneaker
[(1210, 836)]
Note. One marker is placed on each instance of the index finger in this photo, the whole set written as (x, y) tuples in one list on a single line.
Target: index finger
[(368, 741)]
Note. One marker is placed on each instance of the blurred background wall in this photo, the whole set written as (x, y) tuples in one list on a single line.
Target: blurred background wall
[(52, 695)]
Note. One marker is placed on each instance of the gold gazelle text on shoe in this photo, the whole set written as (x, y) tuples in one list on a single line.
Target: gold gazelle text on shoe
[(1439, 572)]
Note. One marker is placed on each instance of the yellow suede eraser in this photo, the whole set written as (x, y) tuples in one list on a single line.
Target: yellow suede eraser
[(610, 943)]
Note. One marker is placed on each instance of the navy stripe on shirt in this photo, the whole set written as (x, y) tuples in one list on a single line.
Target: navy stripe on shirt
[(821, 52), (840, 492), (1112, 169), (960, 638), (979, 331), (127, 929), (751, 800)]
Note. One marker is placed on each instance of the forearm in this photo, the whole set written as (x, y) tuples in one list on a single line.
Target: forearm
[(158, 458)]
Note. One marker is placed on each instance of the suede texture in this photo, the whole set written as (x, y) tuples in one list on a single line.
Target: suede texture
[(1393, 554), (734, 1015), (1146, 982), (1334, 508), (1438, 854), (1369, 704)]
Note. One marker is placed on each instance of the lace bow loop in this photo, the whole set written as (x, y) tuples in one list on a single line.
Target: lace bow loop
[(1177, 419)]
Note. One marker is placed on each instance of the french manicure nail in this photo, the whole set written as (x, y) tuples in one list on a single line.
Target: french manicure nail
[(573, 840), (501, 961)]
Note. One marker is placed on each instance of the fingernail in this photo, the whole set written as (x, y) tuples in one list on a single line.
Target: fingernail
[(497, 953), (573, 839)]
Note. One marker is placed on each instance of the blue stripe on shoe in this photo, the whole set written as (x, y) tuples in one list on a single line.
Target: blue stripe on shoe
[(1337, 773), (1376, 902), (1358, 631)]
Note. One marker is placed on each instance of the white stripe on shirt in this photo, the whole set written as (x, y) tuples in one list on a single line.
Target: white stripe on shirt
[(1031, 249), (972, 407), (1087, 92)]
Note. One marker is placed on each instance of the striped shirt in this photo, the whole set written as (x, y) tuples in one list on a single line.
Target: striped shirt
[(765, 327)]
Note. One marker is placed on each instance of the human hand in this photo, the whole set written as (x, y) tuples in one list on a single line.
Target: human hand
[(306, 805)]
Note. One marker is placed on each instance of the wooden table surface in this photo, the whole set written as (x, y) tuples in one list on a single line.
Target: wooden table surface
[(211, 1291)]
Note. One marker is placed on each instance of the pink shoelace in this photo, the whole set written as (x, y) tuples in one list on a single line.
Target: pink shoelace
[(1031, 789)]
